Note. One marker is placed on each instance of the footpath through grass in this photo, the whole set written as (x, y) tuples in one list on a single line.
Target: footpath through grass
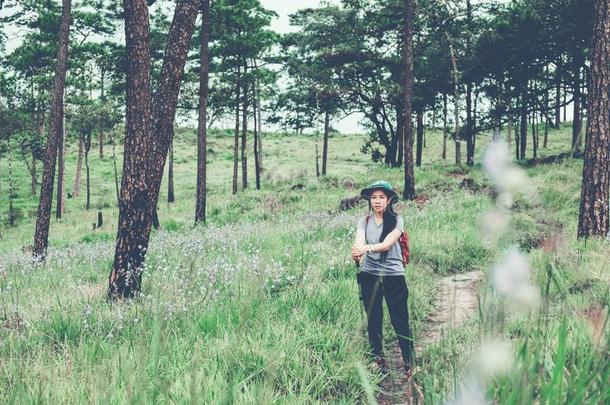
[(261, 304)]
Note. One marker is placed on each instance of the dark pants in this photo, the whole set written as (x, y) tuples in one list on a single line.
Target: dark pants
[(394, 289)]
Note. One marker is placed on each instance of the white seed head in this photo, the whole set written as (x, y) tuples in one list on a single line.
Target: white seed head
[(511, 278), (493, 224), (494, 357)]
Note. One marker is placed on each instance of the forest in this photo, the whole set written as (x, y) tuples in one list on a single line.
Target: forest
[(177, 205)]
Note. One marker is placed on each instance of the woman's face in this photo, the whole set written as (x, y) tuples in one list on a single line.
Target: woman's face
[(379, 201)]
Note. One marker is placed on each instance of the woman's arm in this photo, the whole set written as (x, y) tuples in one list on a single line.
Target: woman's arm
[(360, 240), (388, 242)]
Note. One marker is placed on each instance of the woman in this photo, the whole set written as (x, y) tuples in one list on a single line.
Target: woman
[(382, 274)]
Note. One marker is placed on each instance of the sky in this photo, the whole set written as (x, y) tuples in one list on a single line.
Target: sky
[(281, 24)]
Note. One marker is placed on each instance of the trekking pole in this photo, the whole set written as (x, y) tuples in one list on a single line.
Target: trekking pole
[(361, 299)]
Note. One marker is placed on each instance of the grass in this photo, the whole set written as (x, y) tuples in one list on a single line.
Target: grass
[(261, 304)]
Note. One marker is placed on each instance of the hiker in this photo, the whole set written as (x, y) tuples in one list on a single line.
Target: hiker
[(382, 272)]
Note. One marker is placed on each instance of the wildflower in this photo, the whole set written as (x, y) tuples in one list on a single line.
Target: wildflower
[(511, 278)]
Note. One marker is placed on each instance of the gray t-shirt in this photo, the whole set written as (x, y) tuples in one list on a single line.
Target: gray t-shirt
[(392, 266)]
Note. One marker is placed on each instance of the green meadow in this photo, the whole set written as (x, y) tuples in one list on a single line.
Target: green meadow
[(260, 305)]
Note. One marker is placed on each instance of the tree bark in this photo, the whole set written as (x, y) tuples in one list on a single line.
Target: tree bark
[(594, 213), (170, 175), (557, 102), (101, 143), (469, 130), (576, 117), (236, 137), (134, 226), (534, 136), (317, 159), (34, 176), (116, 172), (244, 134), (257, 168), (445, 130), (517, 141), (79, 166), (259, 120), (565, 104), (41, 235), (523, 128), (61, 153), (509, 130), (407, 98), (420, 137), (87, 140), (325, 142), (11, 191), (202, 131), (456, 102), (147, 141)]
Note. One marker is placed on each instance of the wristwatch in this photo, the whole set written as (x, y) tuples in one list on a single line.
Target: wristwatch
[(370, 249)]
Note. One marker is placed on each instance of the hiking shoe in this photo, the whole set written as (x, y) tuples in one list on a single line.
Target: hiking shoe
[(382, 366), (409, 371)]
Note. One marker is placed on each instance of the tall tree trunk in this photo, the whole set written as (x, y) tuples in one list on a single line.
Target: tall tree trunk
[(534, 136), (61, 153), (257, 167), (170, 175), (594, 213), (133, 226), (147, 141), (523, 128), (11, 191), (202, 131), (244, 134), (469, 129), (41, 235), (116, 172), (87, 172), (260, 133), (103, 98), (420, 137), (33, 176), (517, 142), (456, 103), (583, 116), (166, 97), (576, 120), (546, 133), (236, 137), (79, 165), (0, 210), (565, 104), (509, 130), (325, 142), (394, 151), (445, 129), (407, 98), (40, 127), (400, 134), (317, 159), (557, 101), (101, 143), (259, 120)]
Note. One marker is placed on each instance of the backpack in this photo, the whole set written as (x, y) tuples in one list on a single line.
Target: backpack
[(403, 242)]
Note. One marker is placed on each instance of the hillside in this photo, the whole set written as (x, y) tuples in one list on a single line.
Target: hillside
[(261, 304)]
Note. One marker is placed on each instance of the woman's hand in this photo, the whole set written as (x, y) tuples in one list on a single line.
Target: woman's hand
[(356, 255), (359, 250)]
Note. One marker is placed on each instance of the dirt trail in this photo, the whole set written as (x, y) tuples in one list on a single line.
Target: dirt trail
[(457, 301)]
